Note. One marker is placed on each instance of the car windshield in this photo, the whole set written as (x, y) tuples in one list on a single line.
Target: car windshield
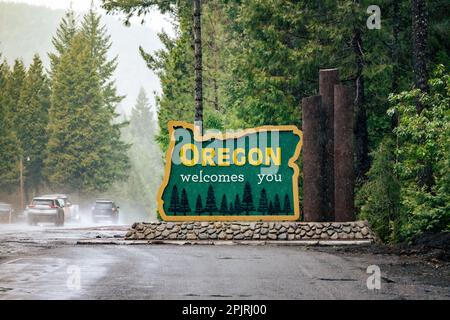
[(43, 202), (4, 206), (103, 205)]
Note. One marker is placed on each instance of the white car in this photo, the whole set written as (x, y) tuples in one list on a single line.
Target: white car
[(71, 211), (45, 209)]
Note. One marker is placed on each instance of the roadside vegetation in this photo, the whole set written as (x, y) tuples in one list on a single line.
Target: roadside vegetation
[(260, 58)]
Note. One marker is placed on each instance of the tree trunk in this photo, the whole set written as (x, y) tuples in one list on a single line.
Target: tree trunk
[(361, 136), (419, 37), (395, 55), (198, 120)]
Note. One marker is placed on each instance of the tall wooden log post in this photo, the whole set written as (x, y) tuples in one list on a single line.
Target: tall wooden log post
[(328, 78), (344, 180), (312, 122)]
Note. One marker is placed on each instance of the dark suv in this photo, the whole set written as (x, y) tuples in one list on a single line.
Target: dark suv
[(105, 210)]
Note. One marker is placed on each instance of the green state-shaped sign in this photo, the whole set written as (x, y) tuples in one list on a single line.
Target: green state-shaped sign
[(243, 175)]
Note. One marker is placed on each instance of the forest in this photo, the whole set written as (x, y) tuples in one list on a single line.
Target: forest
[(60, 129), (261, 57)]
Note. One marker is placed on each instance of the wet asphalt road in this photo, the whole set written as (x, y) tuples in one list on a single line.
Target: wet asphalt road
[(44, 263)]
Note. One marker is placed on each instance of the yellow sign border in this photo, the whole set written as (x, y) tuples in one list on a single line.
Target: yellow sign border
[(220, 136)]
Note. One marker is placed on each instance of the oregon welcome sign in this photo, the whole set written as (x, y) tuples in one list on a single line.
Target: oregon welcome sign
[(244, 175)]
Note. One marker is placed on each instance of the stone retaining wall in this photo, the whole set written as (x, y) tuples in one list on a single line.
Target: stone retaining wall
[(358, 230)]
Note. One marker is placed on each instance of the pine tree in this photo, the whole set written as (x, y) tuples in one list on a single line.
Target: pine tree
[(271, 211), (199, 205), (263, 205), (142, 117), (63, 39), (231, 209), (9, 153), (210, 201), (13, 89), (31, 123), (247, 199), (276, 204), (287, 205), (145, 158), (84, 151), (224, 205), (184, 203), (237, 205), (99, 42), (174, 206)]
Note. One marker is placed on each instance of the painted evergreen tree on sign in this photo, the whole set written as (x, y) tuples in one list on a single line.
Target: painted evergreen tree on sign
[(263, 205), (224, 205), (210, 201), (287, 204), (199, 205), (271, 207), (184, 203), (231, 208), (277, 204), (174, 201), (247, 199), (237, 205)]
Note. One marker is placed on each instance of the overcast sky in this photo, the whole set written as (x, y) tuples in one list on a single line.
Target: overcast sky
[(154, 20)]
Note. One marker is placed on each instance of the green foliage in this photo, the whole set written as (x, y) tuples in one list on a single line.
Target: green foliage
[(379, 197), (424, 140), (393, 199)]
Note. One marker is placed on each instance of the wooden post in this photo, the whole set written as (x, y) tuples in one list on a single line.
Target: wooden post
[(328, 78), (343, 153), (312, 121)]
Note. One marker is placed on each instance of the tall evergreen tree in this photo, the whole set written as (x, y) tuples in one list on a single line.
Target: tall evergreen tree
[(31, 123), (224, 205), (231, 208), (141, 118), (85, 152), (63, 39), (211, 205), (247, 199), (263, 205), (13, 89), (9, 152), (199, 205), (99, 42), (174, 206), (184, 202)]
